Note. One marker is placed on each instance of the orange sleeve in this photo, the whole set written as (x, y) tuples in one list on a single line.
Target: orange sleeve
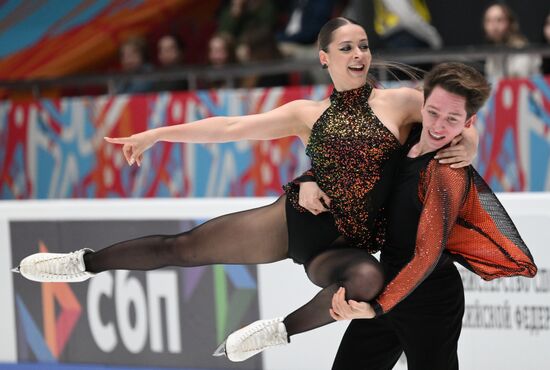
[(485, 240), (442, 191)]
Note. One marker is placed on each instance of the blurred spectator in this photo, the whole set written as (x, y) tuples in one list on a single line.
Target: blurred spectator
[(170, 51), (405, 24), (502, 29), (133, 58), (299, 36), (546, 41), (260, 46), (361, 12), (242, 16), (221, 52), (306, 19)]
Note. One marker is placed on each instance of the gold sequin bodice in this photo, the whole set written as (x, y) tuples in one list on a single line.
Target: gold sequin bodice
[(349, 149)]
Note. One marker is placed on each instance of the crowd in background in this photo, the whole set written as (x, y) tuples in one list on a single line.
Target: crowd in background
[(254, 31)]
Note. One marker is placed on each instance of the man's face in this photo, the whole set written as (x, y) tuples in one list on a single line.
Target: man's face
[(443, 117)]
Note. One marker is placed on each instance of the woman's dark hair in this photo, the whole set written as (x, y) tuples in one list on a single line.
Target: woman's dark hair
[(325, 34), (459, 79)]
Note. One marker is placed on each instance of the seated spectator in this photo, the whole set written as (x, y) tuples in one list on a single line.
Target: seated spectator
[(133, 58), (306, 19), (260, 46), (221, 52), (546, 41), (299, 36), (170, 56), (502, 29), (170, 51)]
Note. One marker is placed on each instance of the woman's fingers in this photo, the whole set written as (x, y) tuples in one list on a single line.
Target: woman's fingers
[(456, 140), (127, 151), (450, 152), (460, 164), (117, 140), (132, 148)]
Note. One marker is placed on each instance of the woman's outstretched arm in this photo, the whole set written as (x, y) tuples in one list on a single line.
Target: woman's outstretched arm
[(286, 120)]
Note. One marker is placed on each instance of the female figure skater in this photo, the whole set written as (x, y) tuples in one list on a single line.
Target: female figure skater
[(353, 138), (435, 215)]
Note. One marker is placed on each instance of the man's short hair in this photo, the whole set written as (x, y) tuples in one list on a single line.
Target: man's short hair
[(459, 79)]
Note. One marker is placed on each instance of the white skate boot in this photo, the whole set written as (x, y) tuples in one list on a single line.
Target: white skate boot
[(253, 339), (55, 267)]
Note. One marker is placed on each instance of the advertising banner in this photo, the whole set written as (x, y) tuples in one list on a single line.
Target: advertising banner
[(170, 317)]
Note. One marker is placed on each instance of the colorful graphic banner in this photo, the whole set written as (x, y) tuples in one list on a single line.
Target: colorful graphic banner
[(55, 148), (172, 317), (53, 38)]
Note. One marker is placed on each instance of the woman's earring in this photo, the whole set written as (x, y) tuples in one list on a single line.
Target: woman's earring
[(324, 66)]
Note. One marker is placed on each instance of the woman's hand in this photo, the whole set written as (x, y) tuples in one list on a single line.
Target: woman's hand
[(310, 198), (349, 310), (134, 146)]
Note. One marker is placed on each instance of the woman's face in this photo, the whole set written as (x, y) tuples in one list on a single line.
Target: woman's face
[(443, 117), (217, 51), (348, 57), (169, 53), (495, 24), (546, 29), (130, 57)]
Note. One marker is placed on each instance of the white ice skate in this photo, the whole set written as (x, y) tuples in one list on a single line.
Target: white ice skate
[(55, 267), (253, 339)]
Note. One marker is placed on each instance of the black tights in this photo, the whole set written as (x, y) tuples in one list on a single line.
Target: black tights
[(354, 269), (250, 237), (254, 236)]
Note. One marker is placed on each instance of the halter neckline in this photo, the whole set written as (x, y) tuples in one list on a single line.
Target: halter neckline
[(353, 96)]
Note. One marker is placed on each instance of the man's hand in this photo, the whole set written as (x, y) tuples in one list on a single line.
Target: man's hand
[(310, 197), (349, 310), (463, 148)]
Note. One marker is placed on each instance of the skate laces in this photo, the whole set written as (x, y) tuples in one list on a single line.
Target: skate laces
[(264, 334), (65, 265)]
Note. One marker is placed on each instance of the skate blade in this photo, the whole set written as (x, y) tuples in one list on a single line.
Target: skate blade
[(220, 351), (16, 270)]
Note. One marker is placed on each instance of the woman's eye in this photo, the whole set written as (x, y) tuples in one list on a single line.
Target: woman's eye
[(364, 47), (345, 48)]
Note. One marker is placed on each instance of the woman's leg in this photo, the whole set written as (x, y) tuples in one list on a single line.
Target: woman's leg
[(354, 269), (248, 237)]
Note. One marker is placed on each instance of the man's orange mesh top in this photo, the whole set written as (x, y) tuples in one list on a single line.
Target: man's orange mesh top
[(459, 215)]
